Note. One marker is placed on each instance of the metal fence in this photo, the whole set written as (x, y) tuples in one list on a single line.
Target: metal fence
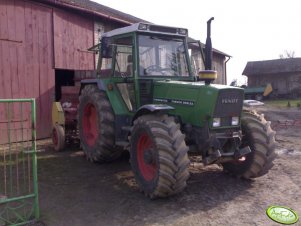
[(18, 162)]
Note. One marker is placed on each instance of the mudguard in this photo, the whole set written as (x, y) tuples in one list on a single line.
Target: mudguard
[(151, 108), (100, 84)]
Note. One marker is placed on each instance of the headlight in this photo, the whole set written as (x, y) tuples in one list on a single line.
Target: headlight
[(235, 121), (216, 122)]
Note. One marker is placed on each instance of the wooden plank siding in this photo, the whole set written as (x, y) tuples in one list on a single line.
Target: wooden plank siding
[(73, 35), (26, 58), (218, 65), (38, 37)]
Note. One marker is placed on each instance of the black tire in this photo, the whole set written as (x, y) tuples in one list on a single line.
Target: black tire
[(258, 135), (159, 156), (58, 137), (96, 125)]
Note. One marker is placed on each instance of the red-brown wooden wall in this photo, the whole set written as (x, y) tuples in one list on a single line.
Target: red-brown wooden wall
[(36, 39), (73, 35), (26, 57)]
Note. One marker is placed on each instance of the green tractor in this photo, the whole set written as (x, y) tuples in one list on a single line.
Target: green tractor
[(147, 100)]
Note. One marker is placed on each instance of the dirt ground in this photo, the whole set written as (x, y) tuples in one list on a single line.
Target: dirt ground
[(74, 192)]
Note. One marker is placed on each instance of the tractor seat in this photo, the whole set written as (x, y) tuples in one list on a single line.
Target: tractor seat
[(129, 69)]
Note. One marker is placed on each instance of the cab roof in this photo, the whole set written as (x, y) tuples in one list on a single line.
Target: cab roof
[(146, 27)]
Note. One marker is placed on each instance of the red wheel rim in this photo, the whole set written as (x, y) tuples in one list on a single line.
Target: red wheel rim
[(89, 122), (55, 138), (148, 169)]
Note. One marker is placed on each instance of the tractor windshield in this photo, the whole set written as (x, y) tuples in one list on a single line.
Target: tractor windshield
[(162, 56)]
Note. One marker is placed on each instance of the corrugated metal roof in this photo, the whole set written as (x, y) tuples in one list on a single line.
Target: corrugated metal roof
[(272, 66)]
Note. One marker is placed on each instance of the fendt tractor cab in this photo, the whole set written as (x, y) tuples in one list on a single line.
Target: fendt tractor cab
[(146, 99)]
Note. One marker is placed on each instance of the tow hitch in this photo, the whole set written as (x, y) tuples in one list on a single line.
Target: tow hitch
[(242, 152), (218, 157)]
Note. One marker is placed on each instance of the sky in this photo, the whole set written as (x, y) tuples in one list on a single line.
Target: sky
[(248, 30)]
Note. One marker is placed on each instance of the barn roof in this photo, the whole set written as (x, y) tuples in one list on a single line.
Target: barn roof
[(272, 66), (97, 9), (193, 43)]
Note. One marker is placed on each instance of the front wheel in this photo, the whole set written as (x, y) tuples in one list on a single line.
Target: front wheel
[(159, 156), (258, 135)]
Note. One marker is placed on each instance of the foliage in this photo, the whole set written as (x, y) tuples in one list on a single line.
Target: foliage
[(287, 54)]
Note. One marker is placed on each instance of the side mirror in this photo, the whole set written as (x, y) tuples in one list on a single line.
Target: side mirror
[(106, 47)]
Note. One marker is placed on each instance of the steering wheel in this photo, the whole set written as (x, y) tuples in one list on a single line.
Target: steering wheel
[(156, 68)]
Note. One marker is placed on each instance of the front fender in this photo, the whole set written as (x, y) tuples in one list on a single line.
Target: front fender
[(152, 108)]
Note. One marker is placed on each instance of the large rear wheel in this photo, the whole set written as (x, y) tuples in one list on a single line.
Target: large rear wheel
[(258, 135), (96, 125), (159, 156)]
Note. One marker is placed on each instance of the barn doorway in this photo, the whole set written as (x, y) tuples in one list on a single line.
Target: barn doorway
[(62, 78)]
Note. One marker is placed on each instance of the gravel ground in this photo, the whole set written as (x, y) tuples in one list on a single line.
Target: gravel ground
[(76, 192)]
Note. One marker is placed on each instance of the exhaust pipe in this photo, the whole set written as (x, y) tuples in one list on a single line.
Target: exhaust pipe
[(208, 75), (208, 48)]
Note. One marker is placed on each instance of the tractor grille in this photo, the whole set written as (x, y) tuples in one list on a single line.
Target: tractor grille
[(229, 103)]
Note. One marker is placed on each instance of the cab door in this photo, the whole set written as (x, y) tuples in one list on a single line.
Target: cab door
[(123, 70)]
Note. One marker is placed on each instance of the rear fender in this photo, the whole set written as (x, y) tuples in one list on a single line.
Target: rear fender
[(100, 84)]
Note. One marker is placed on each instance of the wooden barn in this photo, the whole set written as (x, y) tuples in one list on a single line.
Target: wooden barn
[(219, 62), (43, 46), (283, 74)]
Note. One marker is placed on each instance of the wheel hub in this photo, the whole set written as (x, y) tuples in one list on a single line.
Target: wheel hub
[(54, 137), (89, 122), (148, 156)]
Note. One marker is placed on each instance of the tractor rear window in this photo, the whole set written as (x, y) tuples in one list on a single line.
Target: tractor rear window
[(162, 56)]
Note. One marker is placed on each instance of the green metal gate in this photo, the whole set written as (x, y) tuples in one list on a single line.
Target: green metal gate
[(18, 162)]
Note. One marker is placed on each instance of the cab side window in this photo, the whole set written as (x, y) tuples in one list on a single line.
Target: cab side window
[(123, 48)]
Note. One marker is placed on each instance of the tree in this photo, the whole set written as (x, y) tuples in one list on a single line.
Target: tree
[(287, 54), (234, 82)]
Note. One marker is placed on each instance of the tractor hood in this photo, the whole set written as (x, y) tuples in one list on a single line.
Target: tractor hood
[(198, 103)]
